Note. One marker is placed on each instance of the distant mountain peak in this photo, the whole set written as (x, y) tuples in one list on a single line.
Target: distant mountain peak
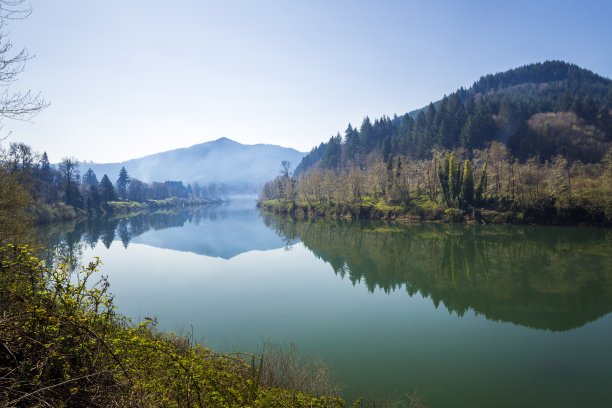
[(240, 168), (225, 140)]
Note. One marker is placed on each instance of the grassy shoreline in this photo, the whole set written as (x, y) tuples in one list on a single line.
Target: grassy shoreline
[(579, 212), (47, 213), (63, 345)]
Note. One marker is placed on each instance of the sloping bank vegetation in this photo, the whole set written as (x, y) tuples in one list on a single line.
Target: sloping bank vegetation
[(490, 187), (45, 213), (529, 145), (61, 192), (62, 344)]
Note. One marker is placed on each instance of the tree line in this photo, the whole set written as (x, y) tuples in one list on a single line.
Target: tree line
[(501, 107), (48, 184), (489, 178)]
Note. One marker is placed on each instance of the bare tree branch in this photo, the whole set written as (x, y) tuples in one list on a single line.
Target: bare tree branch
[(15, 105)]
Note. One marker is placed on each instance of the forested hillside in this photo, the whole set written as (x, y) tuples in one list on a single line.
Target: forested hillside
[(542, 110), (533, 144)]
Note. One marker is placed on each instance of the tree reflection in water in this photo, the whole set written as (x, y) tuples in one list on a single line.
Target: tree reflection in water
[(540, 277)]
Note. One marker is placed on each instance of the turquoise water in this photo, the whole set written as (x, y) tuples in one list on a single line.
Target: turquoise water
[(465, 315)]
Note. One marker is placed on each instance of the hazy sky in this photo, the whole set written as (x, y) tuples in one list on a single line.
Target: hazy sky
[(127, 78)]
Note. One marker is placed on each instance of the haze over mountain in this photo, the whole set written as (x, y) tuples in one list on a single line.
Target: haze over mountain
[(242, 168)]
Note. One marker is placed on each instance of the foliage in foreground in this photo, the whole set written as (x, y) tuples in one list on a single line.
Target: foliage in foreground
[(63, 345)]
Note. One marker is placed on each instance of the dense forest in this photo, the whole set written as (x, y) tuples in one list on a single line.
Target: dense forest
[(535, 141), (542, 110), (61, 191)]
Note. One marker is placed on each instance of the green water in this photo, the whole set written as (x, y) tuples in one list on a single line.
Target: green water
[(467, 315)]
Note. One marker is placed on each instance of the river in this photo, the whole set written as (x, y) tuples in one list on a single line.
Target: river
[(466, 315)]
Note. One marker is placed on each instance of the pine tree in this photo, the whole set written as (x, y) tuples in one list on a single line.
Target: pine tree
[(69, 168), (454, 179), (578, 106), (467, 186), (45, 166), (107, 191), (566, 102), (90, 178), (93, 199), (443, 178), (122, 183), (398, 169), (482, 184)]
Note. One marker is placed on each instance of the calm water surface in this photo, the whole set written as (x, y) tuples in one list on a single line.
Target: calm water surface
[(466, 315)]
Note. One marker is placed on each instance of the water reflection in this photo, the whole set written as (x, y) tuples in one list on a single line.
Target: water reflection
[(222, 231), (539, 277), (390, 341)]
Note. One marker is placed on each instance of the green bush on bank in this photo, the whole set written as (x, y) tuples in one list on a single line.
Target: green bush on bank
[(63, 345), (46, 213)]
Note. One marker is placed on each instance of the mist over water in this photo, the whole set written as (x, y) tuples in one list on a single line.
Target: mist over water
[(468, 315)]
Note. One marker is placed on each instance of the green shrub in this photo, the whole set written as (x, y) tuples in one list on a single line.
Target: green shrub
[(454, 215), (63, 345)]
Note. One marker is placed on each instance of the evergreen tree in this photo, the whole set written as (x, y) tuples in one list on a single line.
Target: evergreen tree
[(386, 147), (366, 133), (90, 178), (107, 190), (590, 110), (398, 169), (496, 107), (607, 101), (122, 183), (331, 157), (578, 106), (44, 189), (454, 179), (605, 121), (69, 168), (390, 164), (93, 199), (45, 166), (443, 177), (351, 141), (566, 102), (482, 184), (467, 186)]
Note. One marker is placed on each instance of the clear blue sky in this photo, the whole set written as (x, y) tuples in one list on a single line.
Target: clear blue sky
[(130, 78)]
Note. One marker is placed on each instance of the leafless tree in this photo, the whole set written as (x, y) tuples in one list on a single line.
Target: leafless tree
[(20, 105)]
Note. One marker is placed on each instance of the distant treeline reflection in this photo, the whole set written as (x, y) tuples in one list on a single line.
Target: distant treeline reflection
[(67, 238), (539, 277)]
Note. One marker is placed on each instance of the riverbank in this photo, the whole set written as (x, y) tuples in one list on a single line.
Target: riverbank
[(581, 211), (46, 213), (64, 345)]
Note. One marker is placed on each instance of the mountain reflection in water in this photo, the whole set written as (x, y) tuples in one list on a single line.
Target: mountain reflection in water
[(222, 231), (554, 278)]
